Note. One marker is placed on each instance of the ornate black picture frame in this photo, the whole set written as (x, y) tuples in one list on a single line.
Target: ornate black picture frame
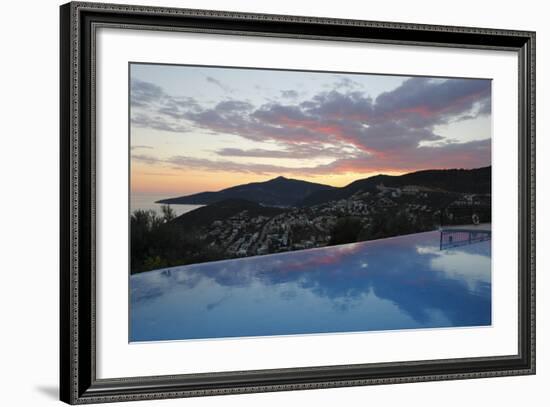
[(78, 381)]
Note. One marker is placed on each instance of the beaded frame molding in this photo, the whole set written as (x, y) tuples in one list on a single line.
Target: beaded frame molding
[(78, 381)]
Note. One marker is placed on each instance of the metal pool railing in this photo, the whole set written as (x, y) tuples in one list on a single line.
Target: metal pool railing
[(459, 237)]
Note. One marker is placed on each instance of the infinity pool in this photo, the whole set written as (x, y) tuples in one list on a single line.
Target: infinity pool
[(404, 282)]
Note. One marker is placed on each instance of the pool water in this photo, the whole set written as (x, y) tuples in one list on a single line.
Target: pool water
[(405, 282)]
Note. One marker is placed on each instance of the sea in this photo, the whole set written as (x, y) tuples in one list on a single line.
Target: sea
[(147, 202)]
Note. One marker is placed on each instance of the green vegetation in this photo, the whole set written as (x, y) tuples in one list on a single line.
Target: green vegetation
[(396, 224), (374, 208), (352, 229), (157, 242), (346, 230)]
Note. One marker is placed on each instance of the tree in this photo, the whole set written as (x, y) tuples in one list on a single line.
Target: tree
[(156, 241), (168, 213), (346, 230)]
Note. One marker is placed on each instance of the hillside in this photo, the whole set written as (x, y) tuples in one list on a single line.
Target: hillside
[(279, 191), (456, 180), (203, 217), (233, 227)]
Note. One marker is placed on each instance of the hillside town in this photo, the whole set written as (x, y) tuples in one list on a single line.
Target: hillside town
[(421, 208), (284, 214)]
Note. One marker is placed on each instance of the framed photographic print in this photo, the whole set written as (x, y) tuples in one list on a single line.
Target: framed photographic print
[(256, 203)]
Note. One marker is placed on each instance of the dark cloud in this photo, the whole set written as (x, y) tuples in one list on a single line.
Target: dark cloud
[(233, 106), (257, 152), (353, 106), (280, 114), (138, 147), (422, 102), (153, 108), (176, 108), (344, 82), (218, 83), (157, 123), (297, 151), (485, 106), (451, 155), (357, 132), (187, 163), (149, 159), (472, 154), (144, 93)]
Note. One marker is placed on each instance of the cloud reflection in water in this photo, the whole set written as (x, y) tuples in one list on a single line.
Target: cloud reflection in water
[(398, 283)]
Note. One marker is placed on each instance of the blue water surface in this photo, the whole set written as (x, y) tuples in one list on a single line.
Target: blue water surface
[(398, 283)]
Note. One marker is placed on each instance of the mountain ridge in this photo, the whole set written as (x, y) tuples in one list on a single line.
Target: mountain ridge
[(279, 191), (289, 192), (475, 180)]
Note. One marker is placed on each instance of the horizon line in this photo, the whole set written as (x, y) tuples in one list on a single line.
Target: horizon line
[(312, 182)]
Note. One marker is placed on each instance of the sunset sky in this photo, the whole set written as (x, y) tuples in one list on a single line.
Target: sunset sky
[(197, 129)]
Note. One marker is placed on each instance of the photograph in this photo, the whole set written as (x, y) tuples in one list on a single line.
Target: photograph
[(270, 201), (267, 202)]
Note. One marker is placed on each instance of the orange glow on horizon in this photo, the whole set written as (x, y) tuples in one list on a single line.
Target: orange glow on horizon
[(147, 180)]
